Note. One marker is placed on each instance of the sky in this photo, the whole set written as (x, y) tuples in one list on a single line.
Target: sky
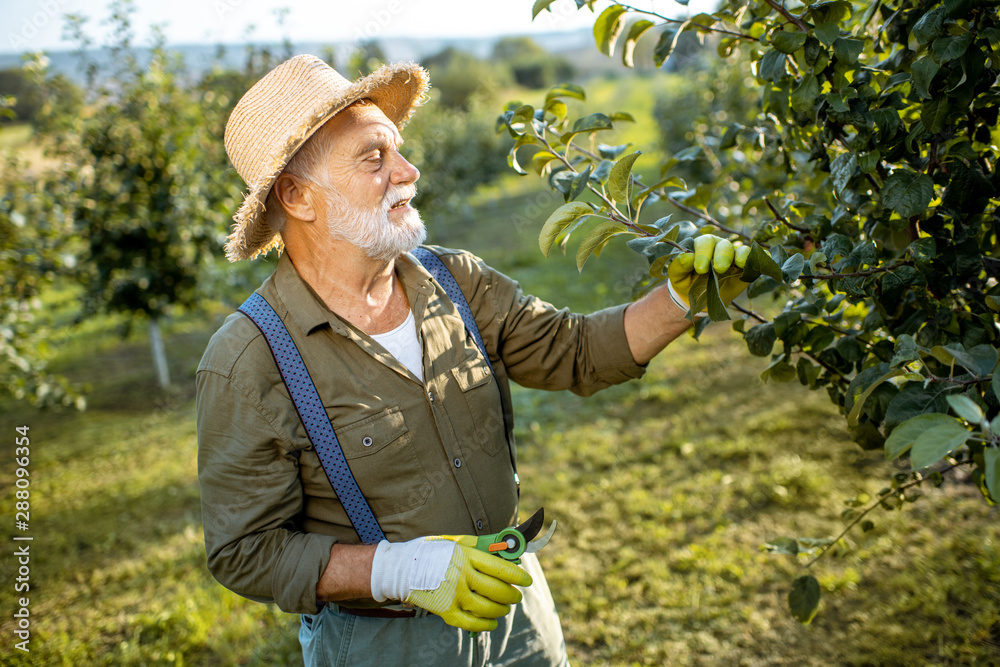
[(36, 25)]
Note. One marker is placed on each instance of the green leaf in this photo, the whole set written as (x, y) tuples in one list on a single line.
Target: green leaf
[(923, 71), (539, 6), (760, 339), (595, 241), (607, 27), (716, 308), (934, 112), (995, 384), (950, 48), (803, 600), (761, 286), (580, 182), (929, 26), (904, 435), (788, 42), (783, 545), (728, 139), (634, 33), (560, 219), (912, 400), (966, 408), (591, 123), (859, 402), (772, 65), (620, 178), (779, 370), (570, 90), (540, 159), (828, 32), (603, 170), (991, 456), (937, 442), (869, 161), (923, 251), (979, 360), (664, 45), (905, 351), (760, 263), (805, 94), (848, 50), (808, 372), (608, 152), (842, 170), (791, 269), (908, 193), (557, 108)]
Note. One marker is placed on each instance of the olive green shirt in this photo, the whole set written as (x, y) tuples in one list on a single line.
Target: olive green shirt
[(432, 457)]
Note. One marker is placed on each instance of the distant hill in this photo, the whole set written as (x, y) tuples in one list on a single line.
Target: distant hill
[(202, 57)]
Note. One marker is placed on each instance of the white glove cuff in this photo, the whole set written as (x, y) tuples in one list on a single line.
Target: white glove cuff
[(676, 298), (403, 567)]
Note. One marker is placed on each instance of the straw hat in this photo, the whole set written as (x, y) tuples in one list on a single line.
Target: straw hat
[(281, 111)]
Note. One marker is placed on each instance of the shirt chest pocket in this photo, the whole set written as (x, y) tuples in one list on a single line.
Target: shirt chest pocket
[(482, 396), (382, 459)]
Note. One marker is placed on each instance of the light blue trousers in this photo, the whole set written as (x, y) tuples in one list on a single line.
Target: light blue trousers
[(528, 636)]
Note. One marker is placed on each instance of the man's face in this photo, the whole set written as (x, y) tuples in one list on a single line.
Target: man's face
[(370, 185)]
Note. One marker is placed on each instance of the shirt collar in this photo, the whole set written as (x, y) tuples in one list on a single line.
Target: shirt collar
[(307, 309)]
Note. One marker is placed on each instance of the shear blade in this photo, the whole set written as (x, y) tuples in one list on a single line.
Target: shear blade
[(541, 541), (532, 525)]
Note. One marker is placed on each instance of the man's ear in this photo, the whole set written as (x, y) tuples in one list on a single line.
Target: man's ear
[(296, 197)]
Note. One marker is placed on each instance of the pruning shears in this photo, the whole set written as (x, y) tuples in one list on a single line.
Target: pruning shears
[(512, 543)]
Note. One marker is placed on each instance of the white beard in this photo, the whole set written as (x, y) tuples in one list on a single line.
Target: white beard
[(371, 231)]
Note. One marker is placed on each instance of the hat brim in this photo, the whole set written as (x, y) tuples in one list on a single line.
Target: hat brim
[(396, 89)]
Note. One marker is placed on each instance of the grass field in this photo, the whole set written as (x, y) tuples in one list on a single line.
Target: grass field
[(664, 488)]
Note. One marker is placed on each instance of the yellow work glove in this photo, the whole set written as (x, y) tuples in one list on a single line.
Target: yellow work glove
[(710, 252), (447, 576)]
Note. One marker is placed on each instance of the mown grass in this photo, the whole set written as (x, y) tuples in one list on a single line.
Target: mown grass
[(664, 489)]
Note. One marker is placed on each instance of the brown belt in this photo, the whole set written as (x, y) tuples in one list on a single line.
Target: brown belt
[(378, 612)]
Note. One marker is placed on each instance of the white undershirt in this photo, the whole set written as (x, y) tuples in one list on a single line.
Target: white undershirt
[(403, 344)]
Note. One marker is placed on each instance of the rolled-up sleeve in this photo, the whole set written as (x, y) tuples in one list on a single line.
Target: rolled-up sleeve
[(251, 497), (540, 346)]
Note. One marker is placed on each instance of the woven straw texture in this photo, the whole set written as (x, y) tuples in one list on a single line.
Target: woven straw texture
[(281, 111)]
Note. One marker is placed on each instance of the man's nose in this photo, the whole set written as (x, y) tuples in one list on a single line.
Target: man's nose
[(404, 173)]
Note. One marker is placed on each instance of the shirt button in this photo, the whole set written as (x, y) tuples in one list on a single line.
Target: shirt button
[(430, 396), (479, 525), (367, 441), (458, 463)]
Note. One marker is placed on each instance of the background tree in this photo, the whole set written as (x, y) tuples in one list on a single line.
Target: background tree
[(147, 191), (530, 64), (864, 181), (367, 58), (462, 80), (34, 228)]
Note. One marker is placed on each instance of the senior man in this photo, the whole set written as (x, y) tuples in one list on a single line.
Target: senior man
[(355, 432)]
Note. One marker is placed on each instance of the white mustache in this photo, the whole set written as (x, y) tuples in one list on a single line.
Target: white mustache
[(398, 195)]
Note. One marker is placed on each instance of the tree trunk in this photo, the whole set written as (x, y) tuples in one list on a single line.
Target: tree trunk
[(159, 354)]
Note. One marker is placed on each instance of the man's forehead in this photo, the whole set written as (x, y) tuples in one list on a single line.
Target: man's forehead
[(357, 126)]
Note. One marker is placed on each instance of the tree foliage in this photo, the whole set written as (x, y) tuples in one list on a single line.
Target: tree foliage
[(34, 226), (30, 98), (530, 64), (146, 212), (864, 178)]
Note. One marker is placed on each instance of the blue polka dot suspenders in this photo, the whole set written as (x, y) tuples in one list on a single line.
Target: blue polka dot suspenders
[(436, 268), (308, 404)]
